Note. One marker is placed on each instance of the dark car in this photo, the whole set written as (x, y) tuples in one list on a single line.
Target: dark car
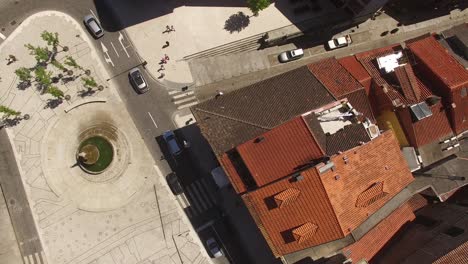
[(93, 26), (174, 184), (215, 249), (138, 81), (172, 143)]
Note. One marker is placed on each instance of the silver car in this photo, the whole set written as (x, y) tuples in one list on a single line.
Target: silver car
[(93, 26), (138, 81), (290, 55)]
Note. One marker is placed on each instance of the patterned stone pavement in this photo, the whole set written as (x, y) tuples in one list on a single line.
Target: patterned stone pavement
[(145, 227)]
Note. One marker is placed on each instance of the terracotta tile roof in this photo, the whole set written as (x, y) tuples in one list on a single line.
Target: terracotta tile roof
[(304, 232), (280, 151), (232, 173), (358, 170), (398, 98), (457, 256), (241, 115), (311, 206), (372, 242), (428, 130), (335, 77), (408, 82), (286, 197), (432, 54), (336, 201), (354, 67)]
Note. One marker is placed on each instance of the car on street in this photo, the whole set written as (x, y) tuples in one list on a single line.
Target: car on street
[(172, 143), (93, 26), (138, 81), (339, 42), (290, 55), (214, 248), (174, 184)]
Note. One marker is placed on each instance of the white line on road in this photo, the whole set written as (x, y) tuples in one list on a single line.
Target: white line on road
[(95, 16), (173, 92), (181, 101), (152, 119), (183, 95), (121, 43), (2, 36), (187, 105), (115, 50), (106, 51)]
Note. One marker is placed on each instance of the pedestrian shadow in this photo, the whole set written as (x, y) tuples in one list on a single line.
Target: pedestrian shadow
[(237, 22)]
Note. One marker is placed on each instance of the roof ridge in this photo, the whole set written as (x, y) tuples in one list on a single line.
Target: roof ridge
[(232, 118)]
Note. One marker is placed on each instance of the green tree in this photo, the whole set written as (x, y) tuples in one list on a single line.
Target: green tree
[(43, 77), (69, 61), (40, 54), (52, 39), (258, 5), (55, 92), (24, 74), (89, 82), (8, 111), (58, 65)]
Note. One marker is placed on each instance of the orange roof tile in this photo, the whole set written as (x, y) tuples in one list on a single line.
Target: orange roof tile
[(277, 224), (328, 201), (334, 77), (368, 246), (286, 197), (379, 161), (446, 68), (408, 82), (279, 151), (231, 172), (304, 232), (354, 67)]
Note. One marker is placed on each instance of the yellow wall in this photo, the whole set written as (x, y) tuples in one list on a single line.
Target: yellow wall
[(388, 120)]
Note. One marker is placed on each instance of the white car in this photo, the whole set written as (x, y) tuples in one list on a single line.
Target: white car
[(214, 248), (290, 55), (339, 42)]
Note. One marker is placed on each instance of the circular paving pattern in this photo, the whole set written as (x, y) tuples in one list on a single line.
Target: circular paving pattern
[(106, 183)]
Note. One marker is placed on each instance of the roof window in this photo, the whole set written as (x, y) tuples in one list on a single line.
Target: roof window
[(374, 193), (420, 111), (286, 197), (304, 232)]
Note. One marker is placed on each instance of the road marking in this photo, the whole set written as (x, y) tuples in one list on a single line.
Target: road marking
[(152, 119), (181, 101), (115, 50), (183, 95), (121, 43), (187, 105), (2, 36), (106, 51), (173, 92), (95, 16)]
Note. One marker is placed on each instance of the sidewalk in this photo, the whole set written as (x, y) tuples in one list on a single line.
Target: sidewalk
[(197, 29), (130, 217)]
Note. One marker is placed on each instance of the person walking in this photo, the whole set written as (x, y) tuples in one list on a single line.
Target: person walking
[(166, 57), (172, 28), (167, 44)]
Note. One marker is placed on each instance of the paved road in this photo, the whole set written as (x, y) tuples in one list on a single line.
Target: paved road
[(18, 205)]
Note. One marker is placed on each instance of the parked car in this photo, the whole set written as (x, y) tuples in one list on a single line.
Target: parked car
[(290, 55), (172, 143), (174, 183), (138, 81), (339, 42), (214, 248), (93, 26)]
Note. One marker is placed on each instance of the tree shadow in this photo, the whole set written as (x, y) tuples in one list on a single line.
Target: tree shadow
[(66, 80), (23, 85), (10, 122), (84, 93), (237, 22), (53, 103)]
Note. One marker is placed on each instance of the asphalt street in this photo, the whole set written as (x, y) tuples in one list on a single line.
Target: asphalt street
[(17, 203)]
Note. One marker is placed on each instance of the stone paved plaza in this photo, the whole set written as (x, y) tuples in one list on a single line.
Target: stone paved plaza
[(130, 216)]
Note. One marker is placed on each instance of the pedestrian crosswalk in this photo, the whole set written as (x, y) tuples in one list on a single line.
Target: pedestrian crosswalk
[(183, 99), (201, 197), (36, 258)]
